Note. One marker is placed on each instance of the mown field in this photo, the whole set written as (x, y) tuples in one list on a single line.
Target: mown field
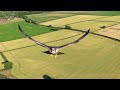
[(47, 16), (94, 57), (113, 31), (99, 13), (93, 25), (71, 20), (112, 19)]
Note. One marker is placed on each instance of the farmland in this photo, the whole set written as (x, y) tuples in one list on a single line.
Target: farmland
[(9, 31), (95, 57), (112, 19), (93, 25), (113, 31), (47, 16), (68, 65), (70, 20)]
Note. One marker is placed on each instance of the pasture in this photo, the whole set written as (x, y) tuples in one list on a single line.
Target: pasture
[(9, 30)]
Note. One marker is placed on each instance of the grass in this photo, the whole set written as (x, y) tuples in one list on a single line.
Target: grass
[(70, 20), (47, 16), (99, 13), (12, 14), (113, 31), (93, 25), (9, 31), (103, 13), (93, 57), (112, 19)]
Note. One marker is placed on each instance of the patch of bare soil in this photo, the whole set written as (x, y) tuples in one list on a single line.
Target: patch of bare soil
[(3, 20)]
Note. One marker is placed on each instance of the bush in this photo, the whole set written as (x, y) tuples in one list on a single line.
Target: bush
[(24, 17), (8, 14), (49, 26), (34, 22), (68, 27), (29, 20), (8, 65), (55, 28)]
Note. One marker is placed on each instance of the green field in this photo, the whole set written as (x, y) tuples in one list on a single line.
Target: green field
[(9, 31), (95, 57)]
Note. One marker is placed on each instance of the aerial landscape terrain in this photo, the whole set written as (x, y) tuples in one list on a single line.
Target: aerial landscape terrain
[(97, 56)]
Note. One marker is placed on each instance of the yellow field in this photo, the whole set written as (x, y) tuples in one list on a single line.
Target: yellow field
[(46, 14), (113, 31), (72, 19), (43, 38), (13, 20), (93, 25), (111, 18), (1, 65), (87, 59), (21, 43)]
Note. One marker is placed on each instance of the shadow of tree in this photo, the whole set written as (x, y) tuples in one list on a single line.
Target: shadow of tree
[(47, 77)]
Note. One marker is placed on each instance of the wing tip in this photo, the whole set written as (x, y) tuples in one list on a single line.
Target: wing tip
[(88, 30), (19, 27)]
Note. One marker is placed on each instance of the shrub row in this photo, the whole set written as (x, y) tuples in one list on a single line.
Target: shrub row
[(28, 20)]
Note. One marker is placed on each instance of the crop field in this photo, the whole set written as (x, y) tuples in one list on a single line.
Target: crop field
[(93, 25), (48, 16), (71, 20), (94, 57), (68, 65), (113, 31), (111, 18)]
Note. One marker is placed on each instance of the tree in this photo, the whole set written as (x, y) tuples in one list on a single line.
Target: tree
[(68, 27), (8, 65)]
